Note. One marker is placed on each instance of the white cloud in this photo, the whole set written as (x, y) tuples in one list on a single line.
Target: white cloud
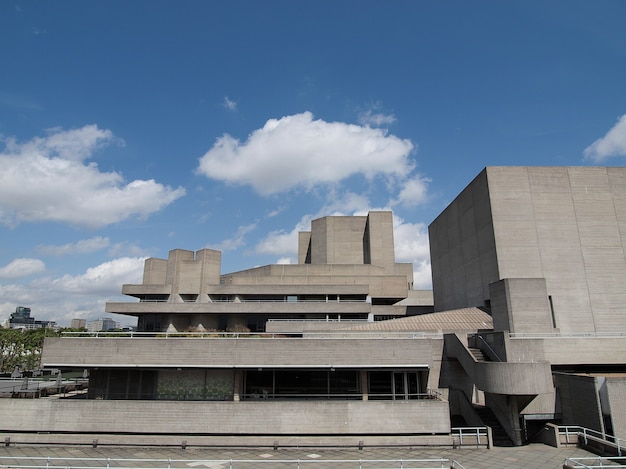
[(236, 242), (46, 179), (422, 277), (411, 242), (283, 243), (75, 296), (229, 104), (414, 192), (126, 249), (22, 267), (83, 246), (373, 119), (612, 144), (305, 153), (104, 279)]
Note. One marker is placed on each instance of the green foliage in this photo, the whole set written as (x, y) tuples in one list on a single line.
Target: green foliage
[(22, 349)]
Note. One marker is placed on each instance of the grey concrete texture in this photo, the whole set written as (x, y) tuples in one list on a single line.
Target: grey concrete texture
[(241, 352), (371, 421), (564, 224), (532, 456)]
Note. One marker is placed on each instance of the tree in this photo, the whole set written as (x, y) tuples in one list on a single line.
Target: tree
[(22, 348)]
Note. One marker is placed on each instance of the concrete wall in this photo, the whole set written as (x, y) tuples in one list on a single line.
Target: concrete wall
[(462, 249), (616, 390), (224, 418), (338, 240), (229, 353), (154, 271), (277, 309), (579, 400), (564, 224), (380, 242), (569, 350), (520, 305)]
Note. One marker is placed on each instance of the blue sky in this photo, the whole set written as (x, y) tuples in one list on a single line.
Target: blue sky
[(131, 128)]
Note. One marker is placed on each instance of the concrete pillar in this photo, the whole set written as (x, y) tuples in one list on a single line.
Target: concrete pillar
[(238, 385), (363, 380)]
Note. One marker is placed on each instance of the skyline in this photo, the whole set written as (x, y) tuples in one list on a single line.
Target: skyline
[(128, 129)]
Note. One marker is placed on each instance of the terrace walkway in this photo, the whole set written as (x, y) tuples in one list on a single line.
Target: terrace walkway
[(530, 456)]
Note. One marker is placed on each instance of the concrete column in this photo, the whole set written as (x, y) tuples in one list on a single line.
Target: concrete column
[(363, 379), (237, 385)]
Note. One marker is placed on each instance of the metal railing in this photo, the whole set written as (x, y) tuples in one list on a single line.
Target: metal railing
[(565, 335), (588, 434), (482, 339), (110, 463), (597, 462), (429, 395), (250, 300), (248, 335), (319, 320), (478, 436)]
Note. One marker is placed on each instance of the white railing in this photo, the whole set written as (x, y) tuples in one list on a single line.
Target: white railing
[(110, 463), (588, 434), (252, 335), (319, 320), (477, 436), (565, 335), (248, 300), (597, 462)]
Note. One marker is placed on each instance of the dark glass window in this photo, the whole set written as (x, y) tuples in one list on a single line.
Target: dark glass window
[(396, 385), (305, 384), (122, 384)]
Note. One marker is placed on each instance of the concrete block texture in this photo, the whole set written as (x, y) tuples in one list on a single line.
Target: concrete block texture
[(616, 393), (564, 224), (227, 418), (242, 352), (521, 305)]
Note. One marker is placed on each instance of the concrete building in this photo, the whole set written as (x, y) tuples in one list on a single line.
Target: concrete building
[(78, 323), (543, 250), (262, 355), (526, 327), (104, 324), (21, 319)]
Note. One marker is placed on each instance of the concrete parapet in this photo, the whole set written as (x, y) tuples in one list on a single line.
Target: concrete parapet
[(278, 419)]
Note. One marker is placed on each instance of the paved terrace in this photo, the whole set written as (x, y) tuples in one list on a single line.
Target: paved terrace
[(530, 456)]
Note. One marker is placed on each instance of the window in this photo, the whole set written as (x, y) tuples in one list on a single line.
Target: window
[(394, 385), (302, 384)]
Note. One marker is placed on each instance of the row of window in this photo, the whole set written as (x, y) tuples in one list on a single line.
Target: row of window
[(257, 384)]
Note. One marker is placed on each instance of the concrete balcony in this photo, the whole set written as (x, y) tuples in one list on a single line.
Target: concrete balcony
[(241, 307), (262, 351), (411, 421)]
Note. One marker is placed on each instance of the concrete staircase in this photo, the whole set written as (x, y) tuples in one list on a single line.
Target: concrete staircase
[(478, 354), (499, 436)]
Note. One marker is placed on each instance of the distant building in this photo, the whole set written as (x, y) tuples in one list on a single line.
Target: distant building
[(21, 320), (78, 323), (105, 324)]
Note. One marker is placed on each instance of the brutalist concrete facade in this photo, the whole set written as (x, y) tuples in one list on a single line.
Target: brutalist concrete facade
[(543, 249), (540, 249), (202, 352)]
